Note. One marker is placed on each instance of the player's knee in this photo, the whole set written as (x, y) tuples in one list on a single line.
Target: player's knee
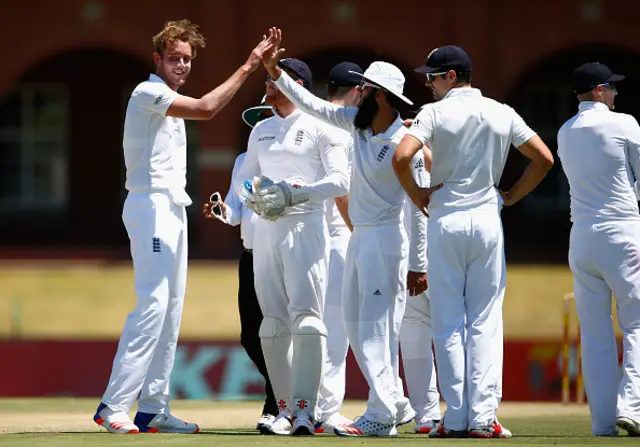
[(309, 325), (273, 328)]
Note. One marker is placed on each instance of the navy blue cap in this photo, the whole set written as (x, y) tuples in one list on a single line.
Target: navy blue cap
[(442, 59), (590, 75), (340, 74), (301, 70)]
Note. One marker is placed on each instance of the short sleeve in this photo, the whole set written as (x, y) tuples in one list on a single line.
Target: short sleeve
[(423, 125), (520, 132), (154, 97)]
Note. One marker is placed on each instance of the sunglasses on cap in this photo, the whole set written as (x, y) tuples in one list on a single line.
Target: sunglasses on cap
[(611, 85), (431, 76), (215, 200)]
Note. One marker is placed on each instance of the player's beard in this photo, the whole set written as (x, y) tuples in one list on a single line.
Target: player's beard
[(366, 112)]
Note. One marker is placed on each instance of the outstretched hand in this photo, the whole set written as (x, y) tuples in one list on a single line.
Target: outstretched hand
[(264, 47), (271, 57)]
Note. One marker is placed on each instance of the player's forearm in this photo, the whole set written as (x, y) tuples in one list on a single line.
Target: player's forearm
[(305, 100), (530, 179), (342, 203), (418, 243), (335, 184), (214, 101)]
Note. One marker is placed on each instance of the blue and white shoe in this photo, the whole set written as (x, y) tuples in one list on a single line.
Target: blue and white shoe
[(114, 421), (161, 423)]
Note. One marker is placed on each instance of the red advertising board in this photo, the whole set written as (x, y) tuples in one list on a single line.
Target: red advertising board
[(222, 370)]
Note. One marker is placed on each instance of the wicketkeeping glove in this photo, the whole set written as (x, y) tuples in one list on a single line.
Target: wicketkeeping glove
[(282, 195), (252, 201)]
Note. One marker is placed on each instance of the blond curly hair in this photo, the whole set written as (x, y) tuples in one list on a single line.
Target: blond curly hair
[(178, 30)]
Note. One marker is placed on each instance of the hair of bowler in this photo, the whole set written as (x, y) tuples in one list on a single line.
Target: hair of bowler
[(178, 30)]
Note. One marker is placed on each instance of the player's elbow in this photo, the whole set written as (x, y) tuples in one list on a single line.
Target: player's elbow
[(342, 183)]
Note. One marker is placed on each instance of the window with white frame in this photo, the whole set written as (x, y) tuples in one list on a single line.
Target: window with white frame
[(33, 148)]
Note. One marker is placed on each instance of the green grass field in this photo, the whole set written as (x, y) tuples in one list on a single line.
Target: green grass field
[(68, 422)]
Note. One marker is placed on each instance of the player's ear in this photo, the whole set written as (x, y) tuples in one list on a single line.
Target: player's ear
[(157, 58), (299, 81)]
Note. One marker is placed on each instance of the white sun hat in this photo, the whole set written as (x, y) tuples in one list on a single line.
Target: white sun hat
[(387, 76)]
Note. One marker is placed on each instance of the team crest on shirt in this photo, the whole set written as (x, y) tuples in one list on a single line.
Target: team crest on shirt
[(299, 137), (383, 152)]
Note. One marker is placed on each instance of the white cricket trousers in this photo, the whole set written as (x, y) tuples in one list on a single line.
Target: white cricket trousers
[(467, 276), (416, 340), (603, 258), (332, 389), (374, 297), (157, 230), (291, 259)]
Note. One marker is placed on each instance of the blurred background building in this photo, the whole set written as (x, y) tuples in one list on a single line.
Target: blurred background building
[(69, 67)]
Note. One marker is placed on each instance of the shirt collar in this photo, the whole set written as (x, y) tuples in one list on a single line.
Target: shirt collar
[(291, 116), (388, 134), (155, 78), (589, 105), (463, 91)]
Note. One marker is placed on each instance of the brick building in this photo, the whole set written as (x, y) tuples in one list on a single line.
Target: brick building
[(69, 66)]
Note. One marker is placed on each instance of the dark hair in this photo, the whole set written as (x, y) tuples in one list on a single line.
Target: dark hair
[(463, 77), (337, 91)]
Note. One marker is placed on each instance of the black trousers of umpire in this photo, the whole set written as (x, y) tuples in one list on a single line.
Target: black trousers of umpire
[(250, 320)]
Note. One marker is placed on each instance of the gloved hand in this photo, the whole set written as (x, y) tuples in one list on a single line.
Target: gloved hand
[(252, 201), (281, 195)]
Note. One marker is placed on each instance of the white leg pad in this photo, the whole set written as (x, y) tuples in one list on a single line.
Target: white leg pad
[(309, 352), (277, 349)]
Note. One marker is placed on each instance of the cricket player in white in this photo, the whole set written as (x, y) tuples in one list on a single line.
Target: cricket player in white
[(375, 279), (600, 154), (154, 215), (301, 162), (342, 90), (416, 332), (469, 136)]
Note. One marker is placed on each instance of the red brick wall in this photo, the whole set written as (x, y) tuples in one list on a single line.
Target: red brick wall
[(504, 39)]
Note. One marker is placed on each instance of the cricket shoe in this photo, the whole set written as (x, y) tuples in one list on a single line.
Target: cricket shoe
[(632, 427), (425, 427), (405, 414), (161, 423), (329, 424), (281, 425), (265, 419), (495, 430), (441, 432), (114, 421), (364, 427), (302, 424)]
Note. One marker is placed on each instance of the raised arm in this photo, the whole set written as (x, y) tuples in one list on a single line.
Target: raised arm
[(306, 101), (209, 105)]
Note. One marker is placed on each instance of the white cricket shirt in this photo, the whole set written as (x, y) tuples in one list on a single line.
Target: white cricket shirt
[(600, 152), (375, 194), (155, 146), (237, 213), (335, 220), (301, 149), (415, 223), (470, 137)]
